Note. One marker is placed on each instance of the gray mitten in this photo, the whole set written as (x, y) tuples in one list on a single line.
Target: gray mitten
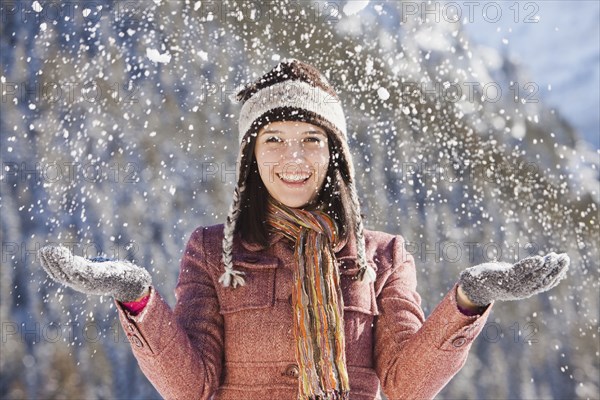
[(123, 280), (487, 282)]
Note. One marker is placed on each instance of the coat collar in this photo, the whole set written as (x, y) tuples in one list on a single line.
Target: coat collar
[(276, 237)]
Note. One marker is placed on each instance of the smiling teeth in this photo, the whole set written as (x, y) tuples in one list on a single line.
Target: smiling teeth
[(294, 177)]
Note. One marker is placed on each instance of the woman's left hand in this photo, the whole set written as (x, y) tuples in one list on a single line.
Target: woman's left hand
[(492, 281)]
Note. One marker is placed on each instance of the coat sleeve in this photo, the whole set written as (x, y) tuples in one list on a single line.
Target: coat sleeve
[(180, 351), (415, 358)]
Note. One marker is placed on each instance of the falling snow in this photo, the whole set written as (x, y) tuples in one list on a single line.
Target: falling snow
[(119, 138), (156, 56)]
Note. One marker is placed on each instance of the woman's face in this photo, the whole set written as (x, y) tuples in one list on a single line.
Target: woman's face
[(292, 160)]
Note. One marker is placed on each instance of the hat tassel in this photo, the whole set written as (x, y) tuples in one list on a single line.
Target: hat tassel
[(366, 274)]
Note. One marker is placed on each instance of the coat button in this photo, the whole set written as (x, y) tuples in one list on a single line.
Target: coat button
[(459, 341), (292, 371), (251, 259), (136, 340)]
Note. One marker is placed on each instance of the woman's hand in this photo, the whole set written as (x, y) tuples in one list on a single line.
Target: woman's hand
[(488, 282), (123, 280)]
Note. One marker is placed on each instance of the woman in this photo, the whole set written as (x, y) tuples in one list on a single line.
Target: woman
[(292, 297)]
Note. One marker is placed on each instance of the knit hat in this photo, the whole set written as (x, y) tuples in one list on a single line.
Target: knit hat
[(291, 91)]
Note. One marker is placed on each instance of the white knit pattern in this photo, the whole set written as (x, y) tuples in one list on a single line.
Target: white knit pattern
[(296, 94)]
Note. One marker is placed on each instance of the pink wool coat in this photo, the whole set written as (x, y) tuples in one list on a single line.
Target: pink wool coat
[(231, 344)]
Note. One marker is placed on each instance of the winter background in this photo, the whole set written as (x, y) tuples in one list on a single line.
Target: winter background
[(474, 128)]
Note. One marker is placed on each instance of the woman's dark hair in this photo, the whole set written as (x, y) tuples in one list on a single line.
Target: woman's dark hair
[(334, 197)]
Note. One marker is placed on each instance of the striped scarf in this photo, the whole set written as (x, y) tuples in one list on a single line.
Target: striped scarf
[(317, 301)]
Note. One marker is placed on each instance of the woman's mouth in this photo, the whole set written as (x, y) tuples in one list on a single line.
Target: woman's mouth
[(294, 178)]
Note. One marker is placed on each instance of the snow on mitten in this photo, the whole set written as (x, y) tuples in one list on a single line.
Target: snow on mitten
[(492, 281), (123, 280)]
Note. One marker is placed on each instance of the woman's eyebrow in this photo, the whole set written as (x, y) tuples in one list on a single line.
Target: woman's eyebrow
[(270, 131), (314, 132)]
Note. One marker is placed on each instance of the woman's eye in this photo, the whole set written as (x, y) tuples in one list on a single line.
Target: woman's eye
[(273, 139), (313, 139)]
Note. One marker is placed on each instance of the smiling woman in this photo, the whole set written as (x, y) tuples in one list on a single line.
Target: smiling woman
[(292, 159), (291, 298)]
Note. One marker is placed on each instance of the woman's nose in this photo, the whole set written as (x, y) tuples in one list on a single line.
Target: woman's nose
[(293, 149)]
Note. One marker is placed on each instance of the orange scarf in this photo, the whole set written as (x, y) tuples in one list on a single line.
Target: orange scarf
[(317, 301)]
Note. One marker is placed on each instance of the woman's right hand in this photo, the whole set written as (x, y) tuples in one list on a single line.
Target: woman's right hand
[(493, 281), (123, 280)]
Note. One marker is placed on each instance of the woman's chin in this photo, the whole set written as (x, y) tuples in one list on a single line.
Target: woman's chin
[(293, 201)]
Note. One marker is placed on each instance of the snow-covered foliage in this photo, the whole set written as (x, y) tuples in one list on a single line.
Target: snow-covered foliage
[(119, 138)]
